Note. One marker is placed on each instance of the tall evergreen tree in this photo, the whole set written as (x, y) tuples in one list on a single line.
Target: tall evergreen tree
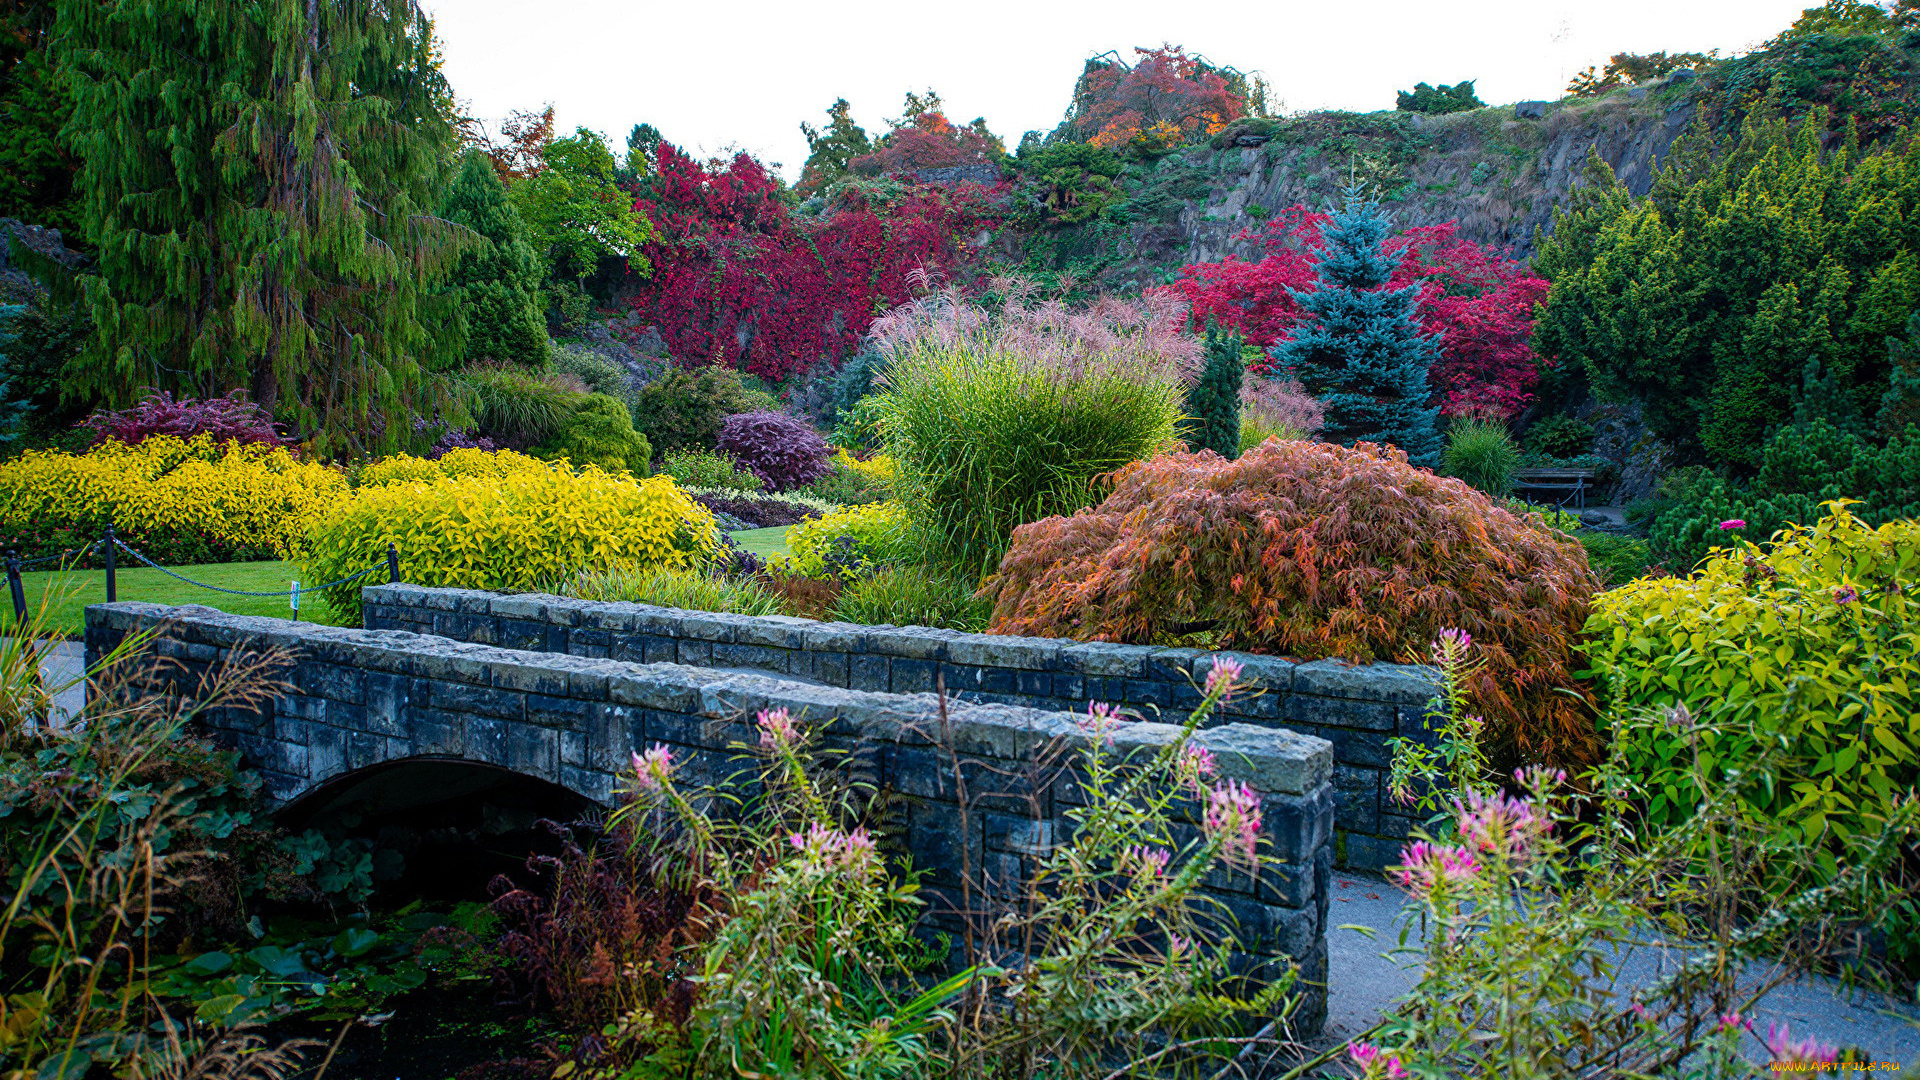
[(259, 178), (36, 171), (1213, 402), (1364, 354), (1900, 405), (500, 315)]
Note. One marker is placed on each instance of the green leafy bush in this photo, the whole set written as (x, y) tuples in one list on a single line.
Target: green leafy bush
[(1439, 100), (1810, 648), (913, 596), (706, 469), (1483, 454), (684, 408), (856, 481), (601, 374), (1559, 436), (675, 587), (1615, 559), (599, 433)]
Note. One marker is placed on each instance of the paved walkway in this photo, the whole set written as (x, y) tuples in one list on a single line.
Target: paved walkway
[(1363, 984), (62, 662)]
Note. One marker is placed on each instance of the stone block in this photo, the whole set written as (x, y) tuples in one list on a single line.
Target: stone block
[(534, 751), (828, 667), (547, 710), (1397, 684), (573, 748), (1005, 651), (1106, 658), (1297, 826), (434, 732), (694, 653), (329, 681), (386, 701), (535, 678), (326, 752), (674, 689), (478, 700), (773, 631), (1273, 760), (1369, 852), (1356, 798), (911, 676), (1375, 716), (868, 672), (1365, 748)]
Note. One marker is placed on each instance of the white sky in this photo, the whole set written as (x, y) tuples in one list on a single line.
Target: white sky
[(714, 76)]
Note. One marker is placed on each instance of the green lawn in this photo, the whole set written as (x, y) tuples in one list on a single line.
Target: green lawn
[(70, 591), (765, 543)]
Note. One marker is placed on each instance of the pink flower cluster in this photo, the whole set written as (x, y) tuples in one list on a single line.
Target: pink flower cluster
[(850, 851), (1428, 866), (778, 732), (1223, 678), (1451, 647), (1194, 766), (654, 768), (1148, 860), (1501, 827), (1808, 1051), (1731, 524), (1233, 818), (1374, 1061), (1100, 719)]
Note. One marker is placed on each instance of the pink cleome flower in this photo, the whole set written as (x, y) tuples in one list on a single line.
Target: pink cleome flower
[(1451, 647), (1427, 866), (850, 851), (1731, 524), (1500, 826), (1224, 677), (1194, 765), (778, 732), (1808, 1051), (1150, 860), (654, 768), (1233, 818), (1375, 1061)]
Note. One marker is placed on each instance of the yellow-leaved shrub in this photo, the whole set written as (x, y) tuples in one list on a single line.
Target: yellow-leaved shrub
[(876, 533), (176, 500), (1806, 653), (524, 529), (463, 461)]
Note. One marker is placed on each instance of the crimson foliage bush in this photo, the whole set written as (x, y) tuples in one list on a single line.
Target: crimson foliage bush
[(782, 450), (1314, 550), (230, 417)]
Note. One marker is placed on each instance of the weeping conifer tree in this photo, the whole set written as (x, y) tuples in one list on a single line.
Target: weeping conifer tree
[(1364, 354), (259, 177), (500, 312)]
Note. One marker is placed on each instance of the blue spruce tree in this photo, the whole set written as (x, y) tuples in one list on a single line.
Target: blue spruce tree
[(1364, 354)]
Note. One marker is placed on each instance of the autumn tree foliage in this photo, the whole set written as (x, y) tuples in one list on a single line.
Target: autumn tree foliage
[(1166, 98), (519, 150), (924, 138), (1480, 302), (1314, 550), (742, 280)]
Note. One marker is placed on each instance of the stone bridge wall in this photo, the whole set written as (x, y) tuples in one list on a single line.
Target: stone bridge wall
[(1356, 708), (360, 698)]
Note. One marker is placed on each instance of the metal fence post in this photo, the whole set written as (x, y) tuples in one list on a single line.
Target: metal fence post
[(393, 564), (14, 587), (113, 586)]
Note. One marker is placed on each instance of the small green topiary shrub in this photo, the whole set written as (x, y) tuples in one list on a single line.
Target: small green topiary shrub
[(684, 408), (599, 433)]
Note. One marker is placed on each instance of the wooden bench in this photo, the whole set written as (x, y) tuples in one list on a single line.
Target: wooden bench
[(1575, 483)]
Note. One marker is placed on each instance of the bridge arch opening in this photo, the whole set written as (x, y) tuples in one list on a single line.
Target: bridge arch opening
[(440, 828)]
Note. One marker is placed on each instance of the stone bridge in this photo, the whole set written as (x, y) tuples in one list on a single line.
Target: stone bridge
[(445, 687)]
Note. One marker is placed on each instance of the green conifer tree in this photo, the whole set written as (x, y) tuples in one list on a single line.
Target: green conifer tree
[(259, 178), (1900, 406), (1213, 402), (501, 300), (1364, 353)]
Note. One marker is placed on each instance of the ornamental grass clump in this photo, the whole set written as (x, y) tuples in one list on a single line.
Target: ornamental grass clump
[(1002, 416), (1313, 550)]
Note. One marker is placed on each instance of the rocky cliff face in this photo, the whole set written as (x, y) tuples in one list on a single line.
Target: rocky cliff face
[(1499, 176)]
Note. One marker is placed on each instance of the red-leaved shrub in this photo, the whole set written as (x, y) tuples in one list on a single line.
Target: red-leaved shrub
[(1479, 301), (782, 450), (1313, 550), (230, 417), (742, 280)]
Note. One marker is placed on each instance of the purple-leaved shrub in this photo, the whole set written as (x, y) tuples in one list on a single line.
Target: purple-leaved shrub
[(230, 417), (781, 450)]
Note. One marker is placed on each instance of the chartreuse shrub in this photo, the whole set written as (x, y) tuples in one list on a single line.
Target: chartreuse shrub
[(1315, 550), (989, 438), (1809, 650), (458, 462), (855, 481), (848, 542), (179, 501), (522, 530)]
